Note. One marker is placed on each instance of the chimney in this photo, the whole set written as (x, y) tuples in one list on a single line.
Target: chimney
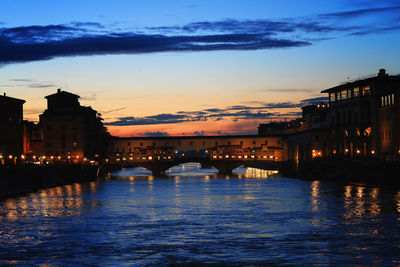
[(58, 90), (4, 93), (382, 73)]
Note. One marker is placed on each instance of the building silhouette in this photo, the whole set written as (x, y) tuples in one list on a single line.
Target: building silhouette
[(70, 131), (11, 125)]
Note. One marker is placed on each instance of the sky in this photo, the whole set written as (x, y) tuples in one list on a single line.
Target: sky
[(192, 67)]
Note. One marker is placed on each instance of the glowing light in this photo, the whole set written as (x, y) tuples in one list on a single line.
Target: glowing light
[(52, 157), (150, 157), (346, 150), (358, 151), (22, 156), (10, 156), (373, 152)]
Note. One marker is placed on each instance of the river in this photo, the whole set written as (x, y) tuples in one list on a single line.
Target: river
[(194, 216)]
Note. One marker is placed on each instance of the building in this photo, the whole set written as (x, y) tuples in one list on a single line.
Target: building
[(363, 117), (71, 132), (11, 125), (33, 140), (311, 140)]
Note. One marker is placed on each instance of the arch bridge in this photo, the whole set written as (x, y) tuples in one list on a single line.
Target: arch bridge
[(222, 152)]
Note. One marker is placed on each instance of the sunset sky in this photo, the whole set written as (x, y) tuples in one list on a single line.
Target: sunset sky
[(192, 67)]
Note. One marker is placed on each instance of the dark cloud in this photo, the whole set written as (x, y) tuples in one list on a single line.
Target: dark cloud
[(36, 42), (260, 111), (24, 44), (20, 80), (313, 101), (363, 12), (155, 134)]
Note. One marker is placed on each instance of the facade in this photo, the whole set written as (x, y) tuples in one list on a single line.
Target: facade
[(33, 139), (71, 132), (311, 140), (244, 148), (363, 117), (11, 125)]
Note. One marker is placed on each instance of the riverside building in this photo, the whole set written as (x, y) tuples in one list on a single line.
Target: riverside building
[(11, 125), (71, 132)]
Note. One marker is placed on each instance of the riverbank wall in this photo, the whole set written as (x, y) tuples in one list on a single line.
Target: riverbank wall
[(19, 180), (369, 171)]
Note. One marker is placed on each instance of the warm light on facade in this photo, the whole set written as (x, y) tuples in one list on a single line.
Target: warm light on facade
[(346, 150), (150, 157), (10, 156), (358, 151), (373, 152), (22, 156)]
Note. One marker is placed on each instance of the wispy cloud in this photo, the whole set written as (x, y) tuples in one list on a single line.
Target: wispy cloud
[(28, 83), (262, 111)]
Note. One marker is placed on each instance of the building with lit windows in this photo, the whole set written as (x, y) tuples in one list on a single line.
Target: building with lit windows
[(11, 125), (363, 117), (71, 132)]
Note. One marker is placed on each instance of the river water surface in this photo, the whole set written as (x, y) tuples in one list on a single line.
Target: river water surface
[(196, 217)]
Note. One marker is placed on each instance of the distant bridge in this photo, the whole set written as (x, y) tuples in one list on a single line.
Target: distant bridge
[(225, 153)]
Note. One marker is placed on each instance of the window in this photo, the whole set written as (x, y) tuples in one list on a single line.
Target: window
[(266, 142), (141, 143), (129, 143), (332, 97), (343, 94), (366, 90), (356, 92), (338, 95), (229, 142), (241, 142)]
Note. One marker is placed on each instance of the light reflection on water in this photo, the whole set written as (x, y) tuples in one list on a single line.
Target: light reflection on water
[(134, 218)]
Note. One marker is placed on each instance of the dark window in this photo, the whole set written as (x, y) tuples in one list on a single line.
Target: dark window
[(254, 142), (229, 142), (141, 143), (129, 143), (266, 142)]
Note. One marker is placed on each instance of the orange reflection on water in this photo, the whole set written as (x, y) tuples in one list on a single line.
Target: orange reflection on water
[(398, 201), (315, 195), (53, 202), (259, 173), (361, 201)]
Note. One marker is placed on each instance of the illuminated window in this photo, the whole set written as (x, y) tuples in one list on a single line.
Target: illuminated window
[(343, 94), (337, 95), (366, 90), (356, 92), (332, 97)]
